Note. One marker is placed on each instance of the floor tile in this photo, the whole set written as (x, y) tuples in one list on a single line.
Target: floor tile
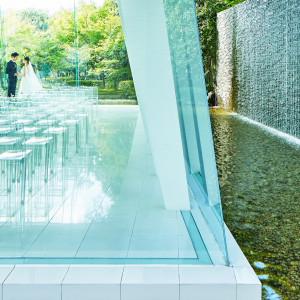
[(58, 240), (248, 284), (211, 282), (153, 210), (186, 248), (4, 273), (104, 246), (34, 283), (153, 246), (93, 283), (117, 225), (181, 227), (16, 239), (150, 283), (155, 226)]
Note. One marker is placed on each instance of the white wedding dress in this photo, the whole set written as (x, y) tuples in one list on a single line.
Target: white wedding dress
[(29, 82)]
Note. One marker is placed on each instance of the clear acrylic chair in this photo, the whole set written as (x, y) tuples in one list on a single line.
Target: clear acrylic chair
[(16, 162), (39, 143)]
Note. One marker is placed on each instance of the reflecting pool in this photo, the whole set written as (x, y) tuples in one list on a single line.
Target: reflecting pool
[(259, 181)]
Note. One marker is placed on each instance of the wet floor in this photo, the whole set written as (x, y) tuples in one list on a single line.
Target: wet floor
[(259, 181), (104, 205)]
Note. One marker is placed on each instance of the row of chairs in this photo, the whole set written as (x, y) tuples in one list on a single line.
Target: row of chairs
[(30, 130)]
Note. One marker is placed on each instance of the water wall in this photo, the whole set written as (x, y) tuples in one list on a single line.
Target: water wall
[(258, 72)]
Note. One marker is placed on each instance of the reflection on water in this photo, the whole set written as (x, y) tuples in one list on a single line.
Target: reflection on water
[(259, 182)]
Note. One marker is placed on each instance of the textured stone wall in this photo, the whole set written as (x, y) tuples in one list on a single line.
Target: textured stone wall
[(259, 62)]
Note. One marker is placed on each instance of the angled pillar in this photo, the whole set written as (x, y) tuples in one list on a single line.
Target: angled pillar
[(145, 32)]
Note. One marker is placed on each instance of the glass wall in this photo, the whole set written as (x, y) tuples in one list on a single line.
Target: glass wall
[(193, 114)]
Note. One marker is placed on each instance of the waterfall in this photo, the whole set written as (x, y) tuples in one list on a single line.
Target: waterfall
[(259, 62)]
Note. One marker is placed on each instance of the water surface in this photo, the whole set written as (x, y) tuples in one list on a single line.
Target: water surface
[(259, 181)]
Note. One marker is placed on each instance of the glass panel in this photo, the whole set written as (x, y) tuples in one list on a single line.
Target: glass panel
[(194, 115)]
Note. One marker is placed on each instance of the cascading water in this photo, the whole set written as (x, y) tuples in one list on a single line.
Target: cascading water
[(259, 62)]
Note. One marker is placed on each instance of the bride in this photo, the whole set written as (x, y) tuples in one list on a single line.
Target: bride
[(29, 82)]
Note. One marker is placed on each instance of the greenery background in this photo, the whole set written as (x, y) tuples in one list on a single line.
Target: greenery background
[(102, 55), (49, 41)]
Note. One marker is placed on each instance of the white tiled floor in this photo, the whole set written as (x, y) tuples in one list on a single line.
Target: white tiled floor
[(150, 283), (153, 246), (196, 281), (111, 206), (133, 282), (93, 282), (104, 245), (4, 273), (247, 285), (34, 283)]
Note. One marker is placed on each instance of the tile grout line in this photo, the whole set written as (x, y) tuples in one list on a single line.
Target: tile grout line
[(236, 286), (140, 195), (179, 282), (62, 204), (121, 282), (61, 285), (2, 294), (177, 225), (91, 222)]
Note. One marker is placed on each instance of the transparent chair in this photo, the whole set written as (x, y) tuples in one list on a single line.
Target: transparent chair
[(16, 163), (37, 144), (55, 132), (71, 122)]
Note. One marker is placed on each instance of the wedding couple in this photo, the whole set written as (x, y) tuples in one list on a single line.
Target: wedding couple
[(29, 82)]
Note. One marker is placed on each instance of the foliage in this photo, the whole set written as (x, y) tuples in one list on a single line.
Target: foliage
[(50, 43), (127, 87), (206, 11), (38, 18), (110, 92), (72, 82)]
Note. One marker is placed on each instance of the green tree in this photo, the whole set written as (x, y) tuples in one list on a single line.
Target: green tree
[(38, 18), (50, 42)]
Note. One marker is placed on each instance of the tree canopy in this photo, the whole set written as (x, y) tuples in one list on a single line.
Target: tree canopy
[(50, 42)]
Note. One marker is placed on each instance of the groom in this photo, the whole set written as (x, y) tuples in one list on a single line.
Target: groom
[(11, 70)]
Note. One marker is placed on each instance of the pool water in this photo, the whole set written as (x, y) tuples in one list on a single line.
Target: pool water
[(259, 181), (104, 206)]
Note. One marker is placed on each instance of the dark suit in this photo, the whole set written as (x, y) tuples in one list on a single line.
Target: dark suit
[(11, 70)]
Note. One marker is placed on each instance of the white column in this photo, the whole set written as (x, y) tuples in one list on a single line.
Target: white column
[(145, 32)]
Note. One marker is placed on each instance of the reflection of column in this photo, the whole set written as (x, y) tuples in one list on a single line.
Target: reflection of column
[(144, 28)]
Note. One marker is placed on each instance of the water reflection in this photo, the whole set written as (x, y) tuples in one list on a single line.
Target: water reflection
[(259, 180)]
